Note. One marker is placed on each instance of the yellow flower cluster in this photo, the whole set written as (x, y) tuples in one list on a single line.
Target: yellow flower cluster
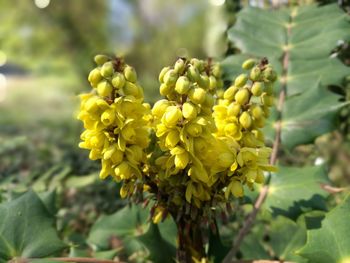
[(206, 143), (239, 116), (184, 127), (115, 121)]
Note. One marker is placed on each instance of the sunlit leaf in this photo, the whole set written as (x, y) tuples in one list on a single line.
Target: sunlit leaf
[(330, 242)]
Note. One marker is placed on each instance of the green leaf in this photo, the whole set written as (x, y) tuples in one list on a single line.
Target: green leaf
[(217, 250), (126, 222), (159, 249), (303, 37), (130, 227), (49, 200), (110, 254), (26, 229), (285, 238), (331, 242), (296, 190), (311, 220), (252, 246), (306, 116), (81, 181)]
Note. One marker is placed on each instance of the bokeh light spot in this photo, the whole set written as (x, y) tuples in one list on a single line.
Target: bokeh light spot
[(42, 3), (3, 58), (217, 2)]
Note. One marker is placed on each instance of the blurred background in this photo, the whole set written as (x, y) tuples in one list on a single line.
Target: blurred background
[(46, 51)]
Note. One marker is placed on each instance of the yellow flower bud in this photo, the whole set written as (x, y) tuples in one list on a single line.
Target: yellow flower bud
[(123, 171), (162, 73), (212, 83), (118, 80), (257, 112), (107, 69), (94, 77), (245, 120), (181, 160), (117, 156), (257, 88), (106, 169), (91, 105), (132, 89), (194, 129), (203, 81), (248, 64), (104, 89), (241, 80), (172, 116), (102, 104), (128, 133), (165, 89), (197, 95), (242, 96), (182, 85), (126, 189), (198, 64), (233, 109), (170, 77), (158, 215), (259, 123), (172, 139), (108, 117), (179, 65), (94, 154), (160, 107), (216, 70), (267, 100), (255, 74), (269, 74), (130, 74), (192, 73), (101, 59), (189, 111), (230, 93)]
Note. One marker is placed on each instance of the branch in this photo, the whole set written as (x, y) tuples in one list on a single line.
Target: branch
[(66, 259), (248, 223)]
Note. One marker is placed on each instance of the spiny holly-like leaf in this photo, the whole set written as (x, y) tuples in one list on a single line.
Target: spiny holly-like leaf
[(285, 238), (27, 229), (260, 33), (296, 190), (306, 116), (159, 249), (125, 223), (331, 242), (298, 42), (127, 227)]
